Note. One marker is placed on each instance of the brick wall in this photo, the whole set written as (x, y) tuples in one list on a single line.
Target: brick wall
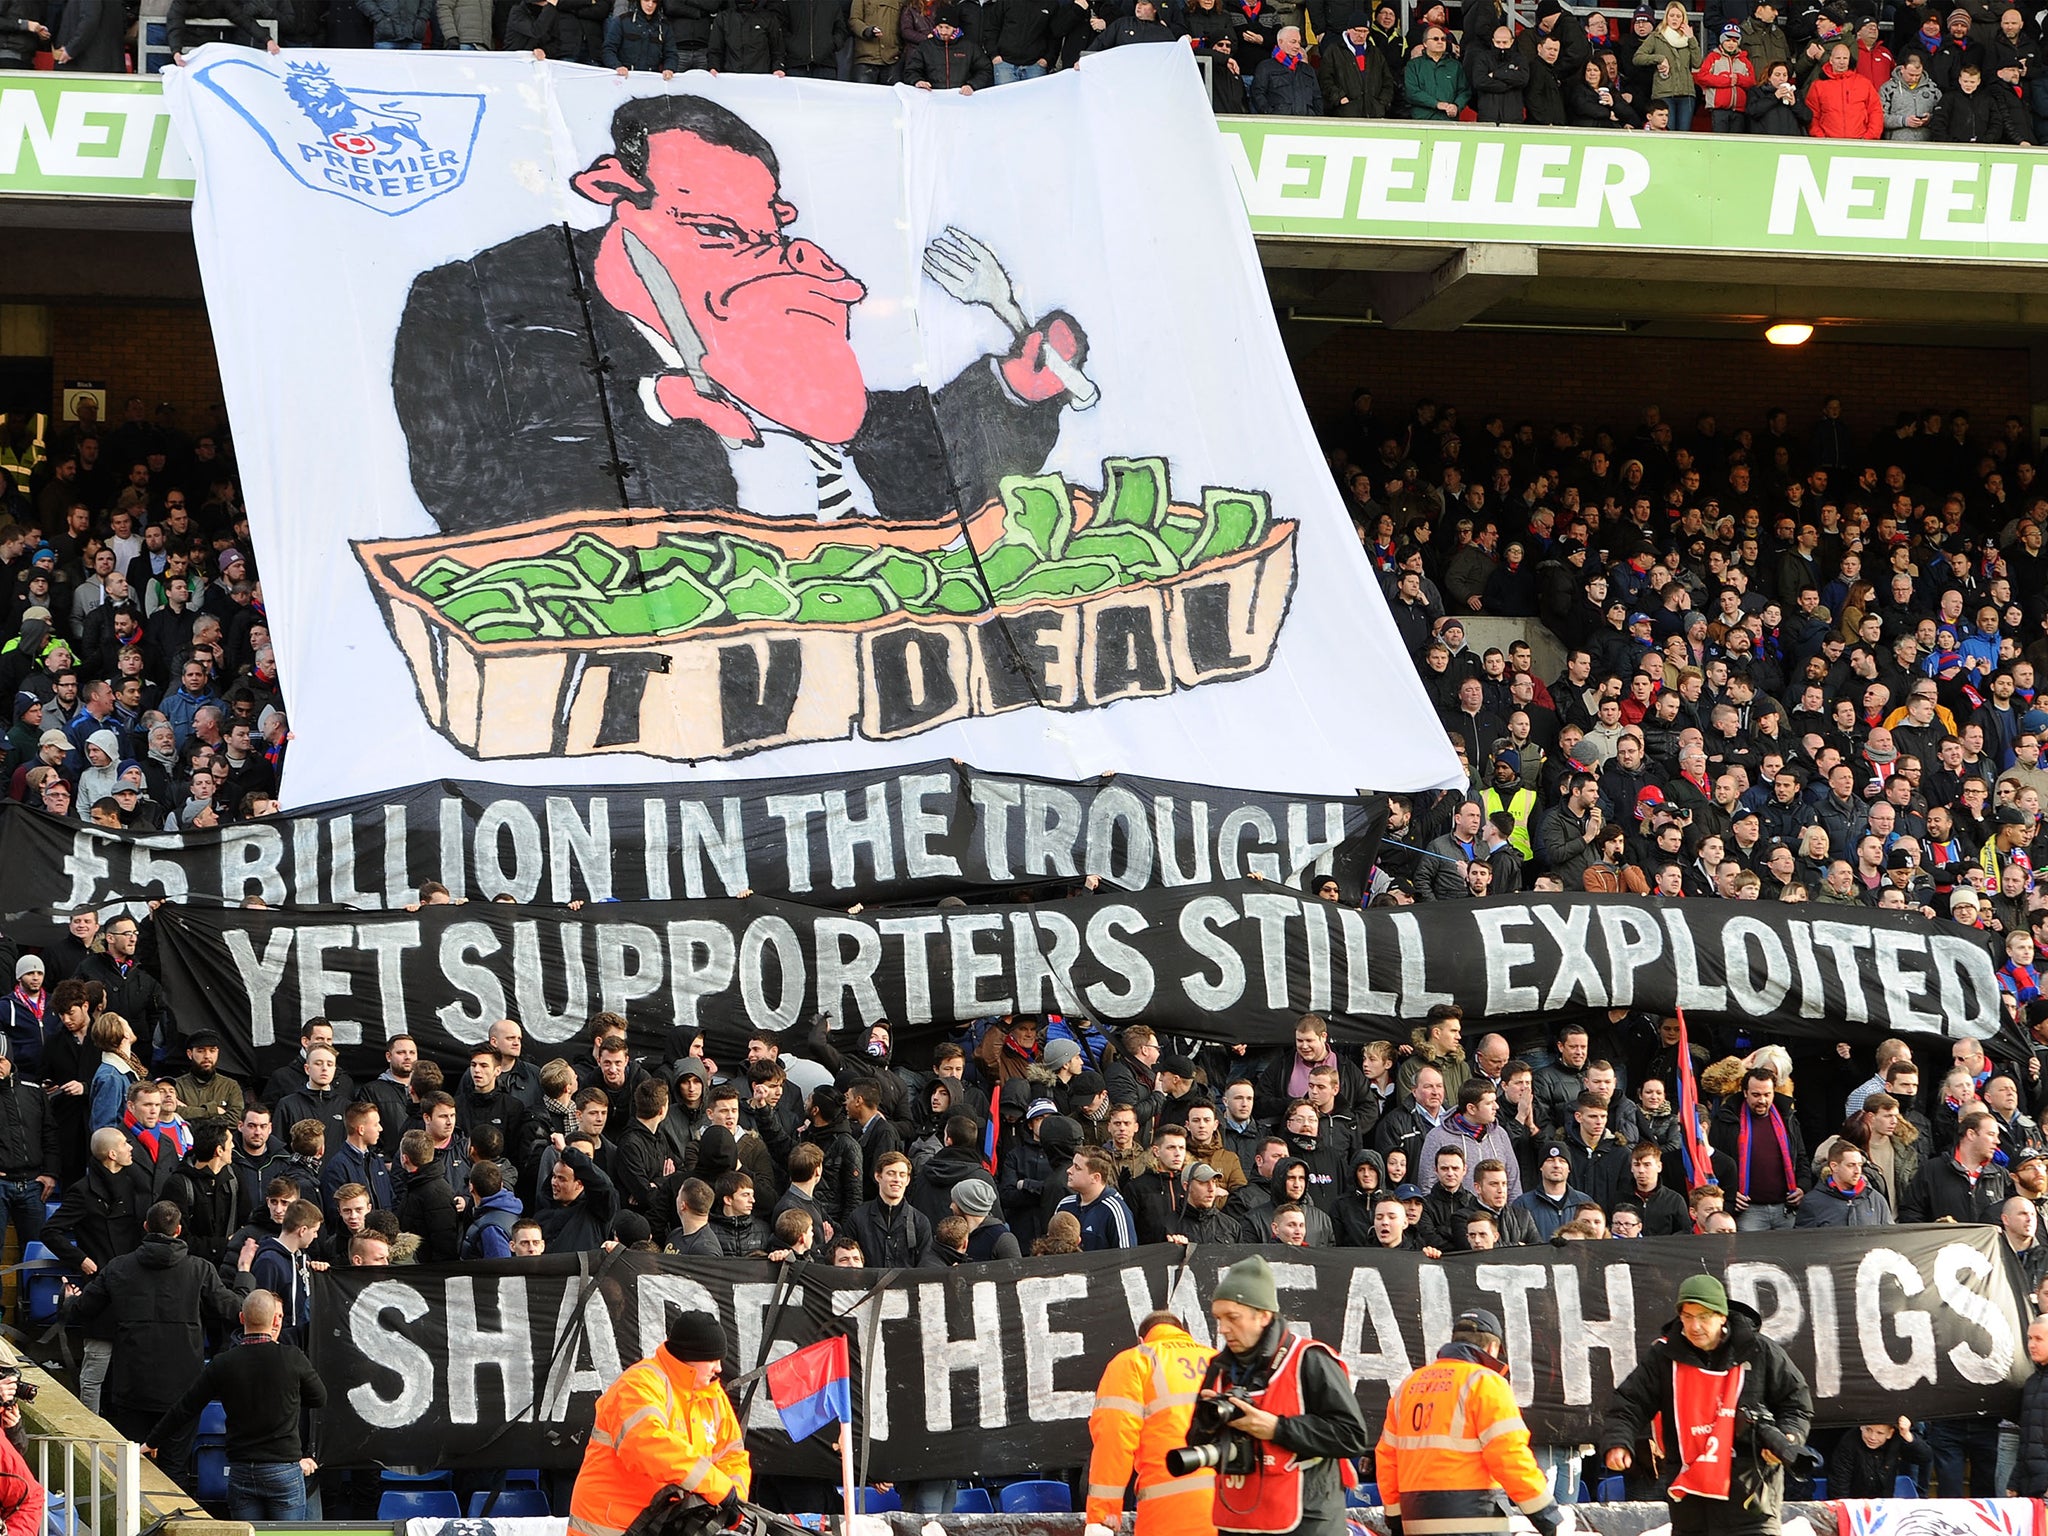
[(161, 353), (1607, 380)]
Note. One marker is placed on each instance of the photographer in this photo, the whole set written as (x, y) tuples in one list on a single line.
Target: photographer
[(21, 1496), (1740, 1408), (1454, 1439), (1277, 1417)]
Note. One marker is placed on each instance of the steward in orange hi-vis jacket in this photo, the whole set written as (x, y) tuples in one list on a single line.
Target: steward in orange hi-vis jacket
[(1454, 1440), (1141, 1412), (665, 1421)]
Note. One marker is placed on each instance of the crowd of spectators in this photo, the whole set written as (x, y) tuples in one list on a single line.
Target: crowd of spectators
[(1969, 73), (1800, 666), (134, 653)]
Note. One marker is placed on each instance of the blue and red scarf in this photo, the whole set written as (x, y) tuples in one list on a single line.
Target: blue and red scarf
[(1742, 1148)]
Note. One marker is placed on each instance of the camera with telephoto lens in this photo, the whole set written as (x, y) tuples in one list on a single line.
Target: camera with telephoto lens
[(1798, 1458), (1213, 1443)]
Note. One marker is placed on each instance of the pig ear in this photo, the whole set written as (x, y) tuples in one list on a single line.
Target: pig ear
[(607, 181)]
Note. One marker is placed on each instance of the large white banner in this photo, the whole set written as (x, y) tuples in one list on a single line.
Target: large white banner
[(806, 424)]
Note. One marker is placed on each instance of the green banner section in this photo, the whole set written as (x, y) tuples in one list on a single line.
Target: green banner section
[(110, 137), (1640, 191), (89, 136)]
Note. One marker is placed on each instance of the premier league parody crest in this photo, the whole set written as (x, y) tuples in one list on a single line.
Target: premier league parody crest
[(389, 151), (677, 520)]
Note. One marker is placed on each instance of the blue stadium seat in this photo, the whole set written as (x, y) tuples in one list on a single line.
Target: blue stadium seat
[(973, 1501), (213, 1425), (1905, 1488), (522, 1477), (513, 1504), (418, 1504), (1611, 1490), (210, 1462), (45, 1286), (1372, 1494), (391, 1479), (1039, 1496), (878, 1501)]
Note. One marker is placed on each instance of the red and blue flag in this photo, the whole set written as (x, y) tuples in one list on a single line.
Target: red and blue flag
[(813, 1387)]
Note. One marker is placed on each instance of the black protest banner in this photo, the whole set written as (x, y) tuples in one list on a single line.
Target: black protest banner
[(992, 1368), (1217, 962), (928, 830)]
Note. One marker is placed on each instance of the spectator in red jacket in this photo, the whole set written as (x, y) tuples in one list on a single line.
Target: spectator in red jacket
[(1724, 78), (1844, 104), (1874, 61)]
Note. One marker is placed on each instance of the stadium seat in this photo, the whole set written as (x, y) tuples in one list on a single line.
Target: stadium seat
[(973, 1501), (391, 1479), (1354, 1498), (418, 1504), (512, 1504), (1611, 1490), (45, 1286), (210, 1463), (1905, 1488), (879, 1501), (522, 1477), (213, 1425), (1372, 1494), (1040, 1496)]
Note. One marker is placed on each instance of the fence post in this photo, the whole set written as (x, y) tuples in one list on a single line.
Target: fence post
[(127, 1490)]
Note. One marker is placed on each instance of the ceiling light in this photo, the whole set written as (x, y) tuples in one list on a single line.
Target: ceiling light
[(1789, 333)]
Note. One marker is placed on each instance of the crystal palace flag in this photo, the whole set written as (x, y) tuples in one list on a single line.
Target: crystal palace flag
[(812, 1388)]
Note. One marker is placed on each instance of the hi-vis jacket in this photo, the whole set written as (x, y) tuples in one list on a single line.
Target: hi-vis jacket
[(656, 1426), (1453, 1440), (1142, 1408)]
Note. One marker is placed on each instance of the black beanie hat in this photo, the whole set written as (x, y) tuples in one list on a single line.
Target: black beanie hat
[(696, 1336)]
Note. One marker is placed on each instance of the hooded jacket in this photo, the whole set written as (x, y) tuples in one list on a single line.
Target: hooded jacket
[(1351, 1212), (1322, 1232), (1773, 1387), (489, 1234), (161, 1300)]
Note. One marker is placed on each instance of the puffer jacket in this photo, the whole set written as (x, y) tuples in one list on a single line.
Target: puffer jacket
[(463, 21), (1900, 101), (1844, 106), (1724, 80), (397, 21), (636, 40)]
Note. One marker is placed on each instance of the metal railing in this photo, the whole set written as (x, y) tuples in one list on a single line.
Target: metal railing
[(94, 1487)]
